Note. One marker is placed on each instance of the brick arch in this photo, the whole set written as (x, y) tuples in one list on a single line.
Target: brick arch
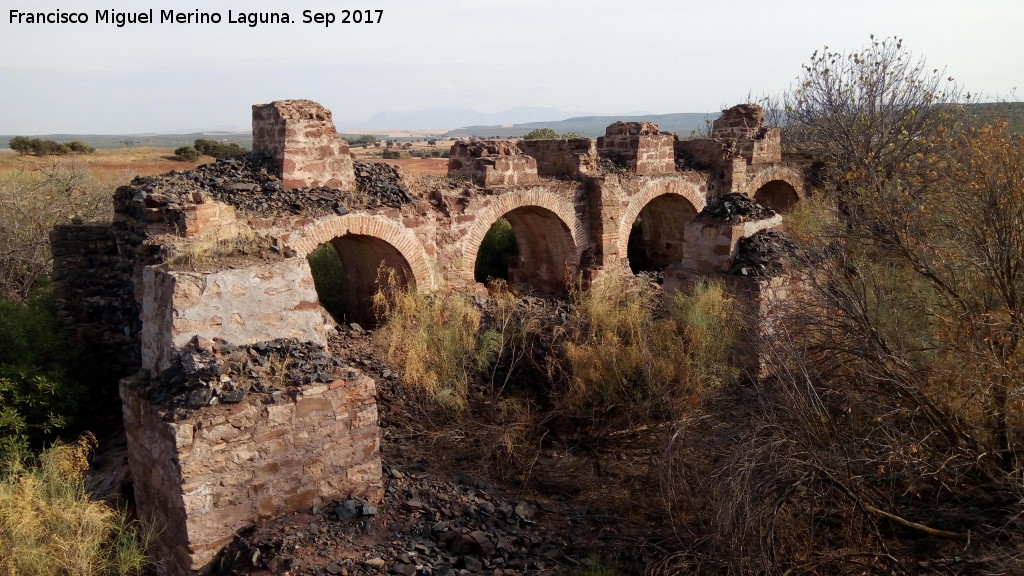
[(403, 241), (780, 187), (550, 236), (685, 191)]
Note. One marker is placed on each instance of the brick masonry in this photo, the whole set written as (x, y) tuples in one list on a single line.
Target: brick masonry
[(491, 163), (222, 468), (300, 137), (639, 146)]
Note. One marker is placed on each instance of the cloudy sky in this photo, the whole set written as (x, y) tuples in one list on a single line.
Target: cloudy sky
[(594, 56)]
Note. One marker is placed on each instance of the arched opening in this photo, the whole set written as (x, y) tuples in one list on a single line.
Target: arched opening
[(497, 249), (544, 257), (348, 270), (778, 195), (656, 237)]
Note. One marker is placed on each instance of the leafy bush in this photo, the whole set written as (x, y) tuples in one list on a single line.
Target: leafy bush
[(50, 526), (329, 279), (393, 154), (80, 147), (219, 149), (497, 248), (37, 400), (541, 134), (187, 154), (39, 147)]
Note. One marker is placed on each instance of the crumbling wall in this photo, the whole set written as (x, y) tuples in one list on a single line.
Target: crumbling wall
[(94, 297), (755, 142), (299, 136), (201, 476), (712, 238), (639, 147), (569, 158), (275, 299), (491, 163)]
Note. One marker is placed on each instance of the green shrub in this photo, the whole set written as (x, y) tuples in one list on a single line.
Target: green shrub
[(219, 149), (80, 147), (329, 279), (497, 248), (541, 134), (187, 154), (40, 147), (37, 399)]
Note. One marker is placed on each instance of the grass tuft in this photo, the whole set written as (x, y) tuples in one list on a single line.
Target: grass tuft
[(50, 526)]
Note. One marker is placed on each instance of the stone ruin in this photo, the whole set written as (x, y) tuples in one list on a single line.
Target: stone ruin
[(234, 411)]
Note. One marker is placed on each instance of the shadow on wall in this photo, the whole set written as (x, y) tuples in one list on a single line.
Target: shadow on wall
[(347, 272)]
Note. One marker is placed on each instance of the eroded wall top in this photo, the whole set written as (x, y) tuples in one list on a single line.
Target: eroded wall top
[(299, 136)]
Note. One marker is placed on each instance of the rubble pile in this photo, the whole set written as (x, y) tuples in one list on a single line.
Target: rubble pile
[(209, 372), (762, 254), (612, 163), (424, 525), (249, 184), (383, 184), (735, 208)]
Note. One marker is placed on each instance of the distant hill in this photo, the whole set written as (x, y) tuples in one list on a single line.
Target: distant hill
[(445, 118), (592, 126), (1012, 112)]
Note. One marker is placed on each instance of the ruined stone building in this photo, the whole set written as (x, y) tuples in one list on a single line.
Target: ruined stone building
[(218, 438)]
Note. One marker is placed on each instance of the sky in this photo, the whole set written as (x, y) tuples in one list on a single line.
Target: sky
[(593, 56)]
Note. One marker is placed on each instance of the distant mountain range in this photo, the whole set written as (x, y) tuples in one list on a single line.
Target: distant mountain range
[(447, 118), (592, 126), (506, 124)]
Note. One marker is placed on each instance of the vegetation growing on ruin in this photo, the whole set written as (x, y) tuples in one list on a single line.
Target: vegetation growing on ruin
[(329, 279), (497, 249), (49, 525)]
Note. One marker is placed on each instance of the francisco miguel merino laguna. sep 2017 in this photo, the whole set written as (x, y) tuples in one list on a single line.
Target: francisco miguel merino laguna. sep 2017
[(151, 16)]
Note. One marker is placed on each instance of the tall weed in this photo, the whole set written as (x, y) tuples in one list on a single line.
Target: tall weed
[(50, 526), (435, 340), (620, 354)]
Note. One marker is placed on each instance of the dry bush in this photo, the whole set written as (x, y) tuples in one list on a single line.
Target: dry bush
[(890, 426), (434, 340), (193, 253), (31, 204), (619, 356), (50, 526)]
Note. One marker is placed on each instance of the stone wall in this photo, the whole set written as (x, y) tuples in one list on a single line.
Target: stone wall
[(710, 244), (569, 158), (491, 163), (299, 136), (755, 142), (639, 147), (205, 475), (241, 305), (94, 297)]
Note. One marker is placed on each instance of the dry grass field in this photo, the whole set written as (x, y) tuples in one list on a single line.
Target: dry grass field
[(123, 164), (119, 164)]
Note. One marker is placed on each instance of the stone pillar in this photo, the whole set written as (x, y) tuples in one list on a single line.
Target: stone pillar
[(755, 142), (639, 146), (491, 163), (299, 136), (203, 475)]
